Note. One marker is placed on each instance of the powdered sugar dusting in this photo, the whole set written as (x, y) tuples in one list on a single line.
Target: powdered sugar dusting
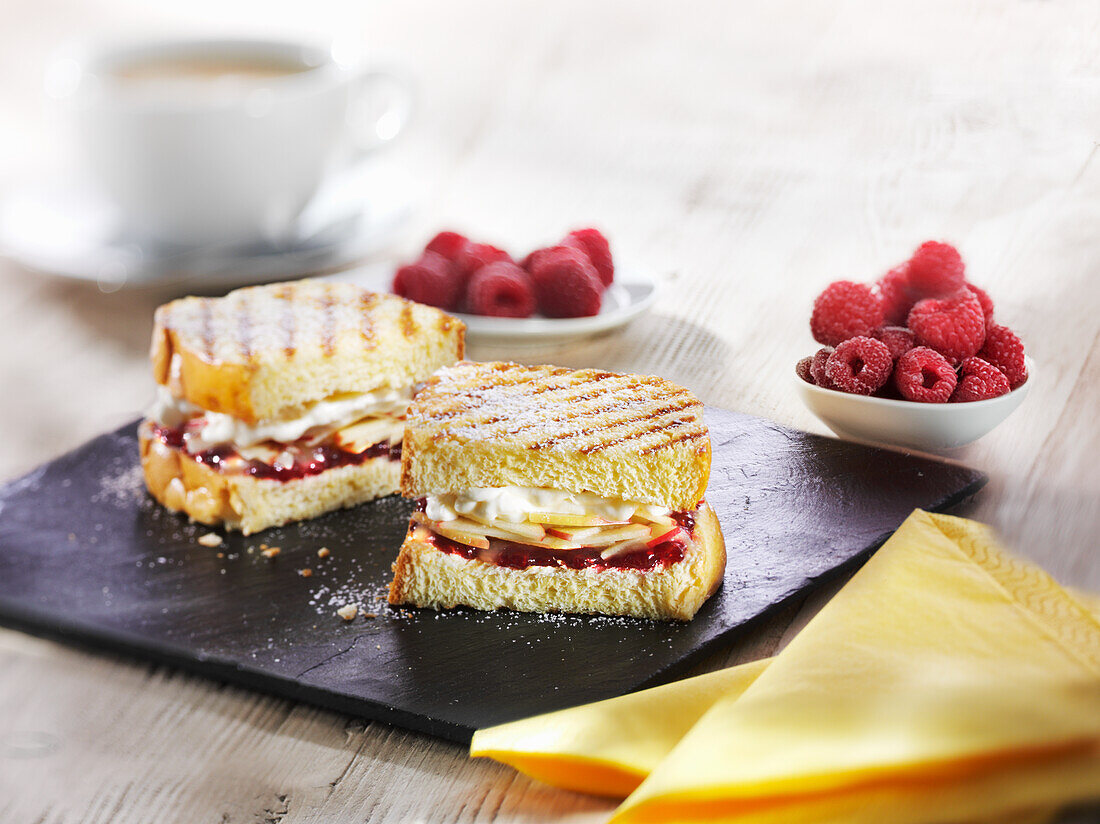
[(121, 484), (549, 407)]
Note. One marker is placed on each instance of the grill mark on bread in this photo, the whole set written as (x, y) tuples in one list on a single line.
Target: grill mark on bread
[(638, 431), (206, 314), (366, 329), (408, 322), (631, 436), (635, 420), (521, 387), (328, 323), (462, 401), (489, 391), (289, 319), (244, 329), (471, 400), (611, 402), (695, 429), (686, 437)]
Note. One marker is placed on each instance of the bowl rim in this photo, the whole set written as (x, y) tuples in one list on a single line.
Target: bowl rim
[(904, 404)]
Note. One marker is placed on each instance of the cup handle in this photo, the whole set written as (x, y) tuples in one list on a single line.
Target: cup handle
[(382, 102)]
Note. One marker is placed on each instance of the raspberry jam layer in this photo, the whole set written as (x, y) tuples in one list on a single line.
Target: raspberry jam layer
[(521, 556), (308, 460)]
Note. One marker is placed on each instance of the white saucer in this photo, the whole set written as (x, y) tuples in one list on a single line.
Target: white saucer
[(632, 293), (69, 232)]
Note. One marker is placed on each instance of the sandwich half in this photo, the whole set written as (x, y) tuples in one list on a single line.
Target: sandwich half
[(544, 489), (281, 402)]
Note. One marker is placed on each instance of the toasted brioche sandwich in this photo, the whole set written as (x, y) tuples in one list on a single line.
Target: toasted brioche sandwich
[(544, 489), (277, 403)]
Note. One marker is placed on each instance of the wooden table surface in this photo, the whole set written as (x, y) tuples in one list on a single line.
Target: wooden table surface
[(747, 153)]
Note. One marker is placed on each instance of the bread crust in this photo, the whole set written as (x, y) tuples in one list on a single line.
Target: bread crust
[(262, 350), (634, 437), (247, 504), (427, 577)]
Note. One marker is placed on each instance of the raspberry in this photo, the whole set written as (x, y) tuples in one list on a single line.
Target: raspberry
[(979, 380), (859, 365), (501, 289), (898, 339), (802, 369), (1005, 350), (593, 243), (845, 310), (986, 301), (936, 269), (954, 326), (532, 260), (447, 244), (431, 280), (897, 299), (566, 283), (925, 376), (817, 367), (475, 255)]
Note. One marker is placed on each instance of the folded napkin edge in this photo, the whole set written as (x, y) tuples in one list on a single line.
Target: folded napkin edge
[(716, 802), (594, 776)]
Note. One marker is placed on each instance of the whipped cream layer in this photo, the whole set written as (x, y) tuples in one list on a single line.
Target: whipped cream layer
[(319, 418), (514, 504)]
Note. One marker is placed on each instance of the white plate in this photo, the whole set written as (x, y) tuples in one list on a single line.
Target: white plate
[(67, 231), (630, 295), (928, 427)]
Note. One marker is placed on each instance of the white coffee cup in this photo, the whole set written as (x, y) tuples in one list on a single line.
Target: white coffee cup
[(201, 141)]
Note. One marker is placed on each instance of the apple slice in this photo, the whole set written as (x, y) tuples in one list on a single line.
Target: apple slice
[(623, 548), (474, 528), (462, 537), (551, 542), (565, 519), (264, 452), (362, 435), (577, 536), (659, 535), (612, 535), (524, 531), (658, 520)]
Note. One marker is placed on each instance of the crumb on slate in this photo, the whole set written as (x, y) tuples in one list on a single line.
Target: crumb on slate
[(210, 539), (269, 551), (305, 573), (348, 612), (323, 552)]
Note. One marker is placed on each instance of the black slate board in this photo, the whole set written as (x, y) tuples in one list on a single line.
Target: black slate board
[(87, 557)]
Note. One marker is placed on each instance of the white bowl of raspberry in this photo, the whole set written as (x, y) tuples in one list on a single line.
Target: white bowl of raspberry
[(926, 427), (916, 359)]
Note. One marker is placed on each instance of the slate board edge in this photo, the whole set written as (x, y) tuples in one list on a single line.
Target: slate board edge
[(47, 625)]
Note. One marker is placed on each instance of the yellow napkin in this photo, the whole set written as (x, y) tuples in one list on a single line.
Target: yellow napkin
[(946, 681), (609, 747)]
